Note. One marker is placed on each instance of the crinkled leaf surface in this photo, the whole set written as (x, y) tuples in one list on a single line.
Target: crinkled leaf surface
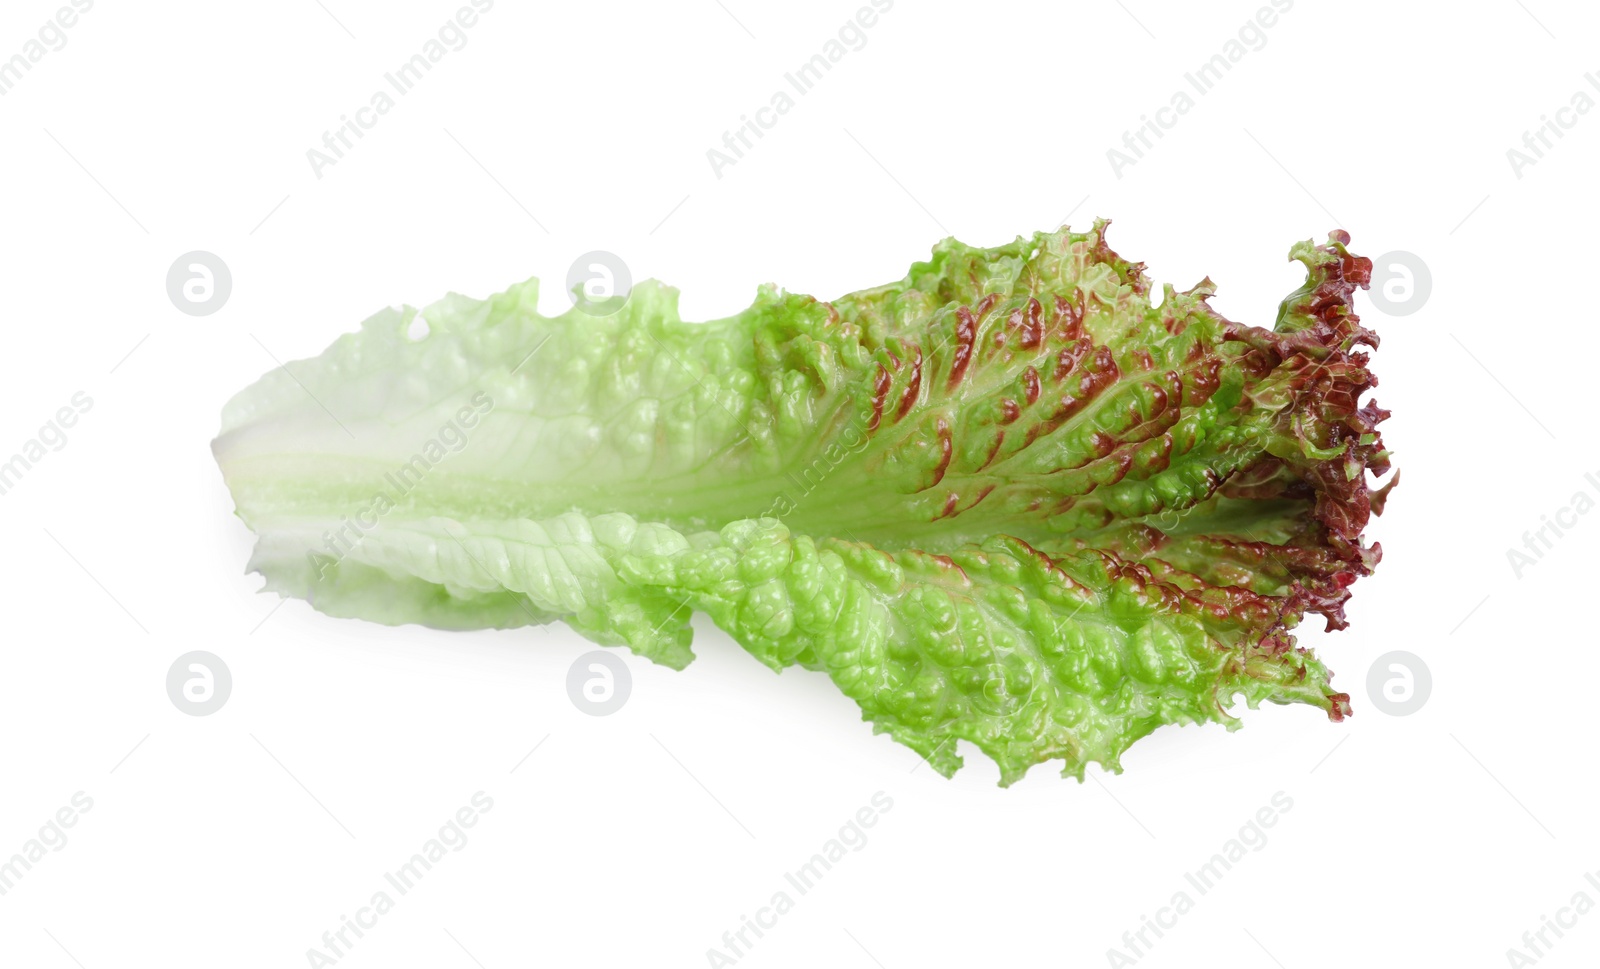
[(1014, 498)]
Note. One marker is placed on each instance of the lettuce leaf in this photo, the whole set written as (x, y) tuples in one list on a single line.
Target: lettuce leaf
[(1010, 499)]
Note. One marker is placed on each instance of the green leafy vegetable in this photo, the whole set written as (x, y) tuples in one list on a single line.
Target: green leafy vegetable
[(1009, 499)]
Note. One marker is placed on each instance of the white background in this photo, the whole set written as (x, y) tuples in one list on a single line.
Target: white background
[(638, 839)]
